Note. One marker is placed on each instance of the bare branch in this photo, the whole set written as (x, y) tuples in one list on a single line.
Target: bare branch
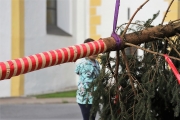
[(128, 71), (172, 46), (156, 53), (167, 11), (125, 30)]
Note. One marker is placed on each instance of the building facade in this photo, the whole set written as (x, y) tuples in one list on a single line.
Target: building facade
[(28, 27)]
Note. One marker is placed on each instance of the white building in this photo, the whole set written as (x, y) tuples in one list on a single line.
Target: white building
[(31, 26)]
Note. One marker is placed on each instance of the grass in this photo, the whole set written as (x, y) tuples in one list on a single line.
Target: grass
[(58, 94)]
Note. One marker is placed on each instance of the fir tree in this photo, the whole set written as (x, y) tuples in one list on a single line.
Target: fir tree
[(132, 87)]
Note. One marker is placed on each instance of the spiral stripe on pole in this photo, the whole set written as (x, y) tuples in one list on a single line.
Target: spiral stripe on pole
[(54, 57), (80, 51), (50, 58)]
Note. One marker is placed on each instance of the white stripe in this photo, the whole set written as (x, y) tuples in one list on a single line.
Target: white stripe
[(15, 67), (69, 56), (36, 59), (99, 47), (22, 64), (62, 53), (88, 49), (94, 48), (30, 64), (50, 56), (7, 69), (75, 53), (56, 56), (43, 60), (105, 47)]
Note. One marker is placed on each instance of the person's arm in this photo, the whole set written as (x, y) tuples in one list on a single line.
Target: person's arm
[(81, 68), (87, 70), (78, 67)]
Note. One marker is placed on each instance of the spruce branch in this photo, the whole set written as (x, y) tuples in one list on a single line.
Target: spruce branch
[(148, 91), (165, 45), (156, 53), (125, 30), (175, 20), (130, 24), (128, 71), (108, 64), (174, 47), (178, 34), (117, 66), (123, 52), (110, 102)]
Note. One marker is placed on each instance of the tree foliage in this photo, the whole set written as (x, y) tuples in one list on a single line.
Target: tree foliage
[(151, 92)]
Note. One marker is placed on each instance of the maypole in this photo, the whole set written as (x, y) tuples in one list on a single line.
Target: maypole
[(50, 58), (42, 60)]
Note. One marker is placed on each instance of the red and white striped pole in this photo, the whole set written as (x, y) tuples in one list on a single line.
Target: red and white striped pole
[(42, 60), (70, 54)]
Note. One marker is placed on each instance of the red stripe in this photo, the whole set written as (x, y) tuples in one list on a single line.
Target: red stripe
[(91, 48), (71, 54), (33, 60), (19, 66), (65, 55), (102, 46), (39, 61), (47, 59), (78, 51), (97, 47), (59, 56), (3, 67), (53, 58), (11, 69), (26, 65), (84, 50)]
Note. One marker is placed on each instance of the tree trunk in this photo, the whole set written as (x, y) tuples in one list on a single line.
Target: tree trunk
[(146, 35)]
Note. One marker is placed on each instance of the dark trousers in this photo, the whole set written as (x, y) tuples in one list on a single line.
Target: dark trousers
[(85, 110)]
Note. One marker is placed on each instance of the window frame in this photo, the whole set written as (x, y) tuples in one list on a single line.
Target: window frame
[(53, 28)]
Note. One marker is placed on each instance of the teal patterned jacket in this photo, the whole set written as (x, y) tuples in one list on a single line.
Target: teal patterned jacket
[(87, 71)]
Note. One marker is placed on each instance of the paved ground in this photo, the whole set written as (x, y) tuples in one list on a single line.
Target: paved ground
[(30, 108), (69, 111), (33, 100)]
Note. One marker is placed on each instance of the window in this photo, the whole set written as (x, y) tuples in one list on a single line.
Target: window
[(51, 12), (128, 14), (51, 20)]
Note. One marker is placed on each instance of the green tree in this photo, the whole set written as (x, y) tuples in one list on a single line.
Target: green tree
[(141, 87)]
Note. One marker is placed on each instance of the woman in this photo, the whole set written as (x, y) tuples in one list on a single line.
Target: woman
[(88, 70)]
